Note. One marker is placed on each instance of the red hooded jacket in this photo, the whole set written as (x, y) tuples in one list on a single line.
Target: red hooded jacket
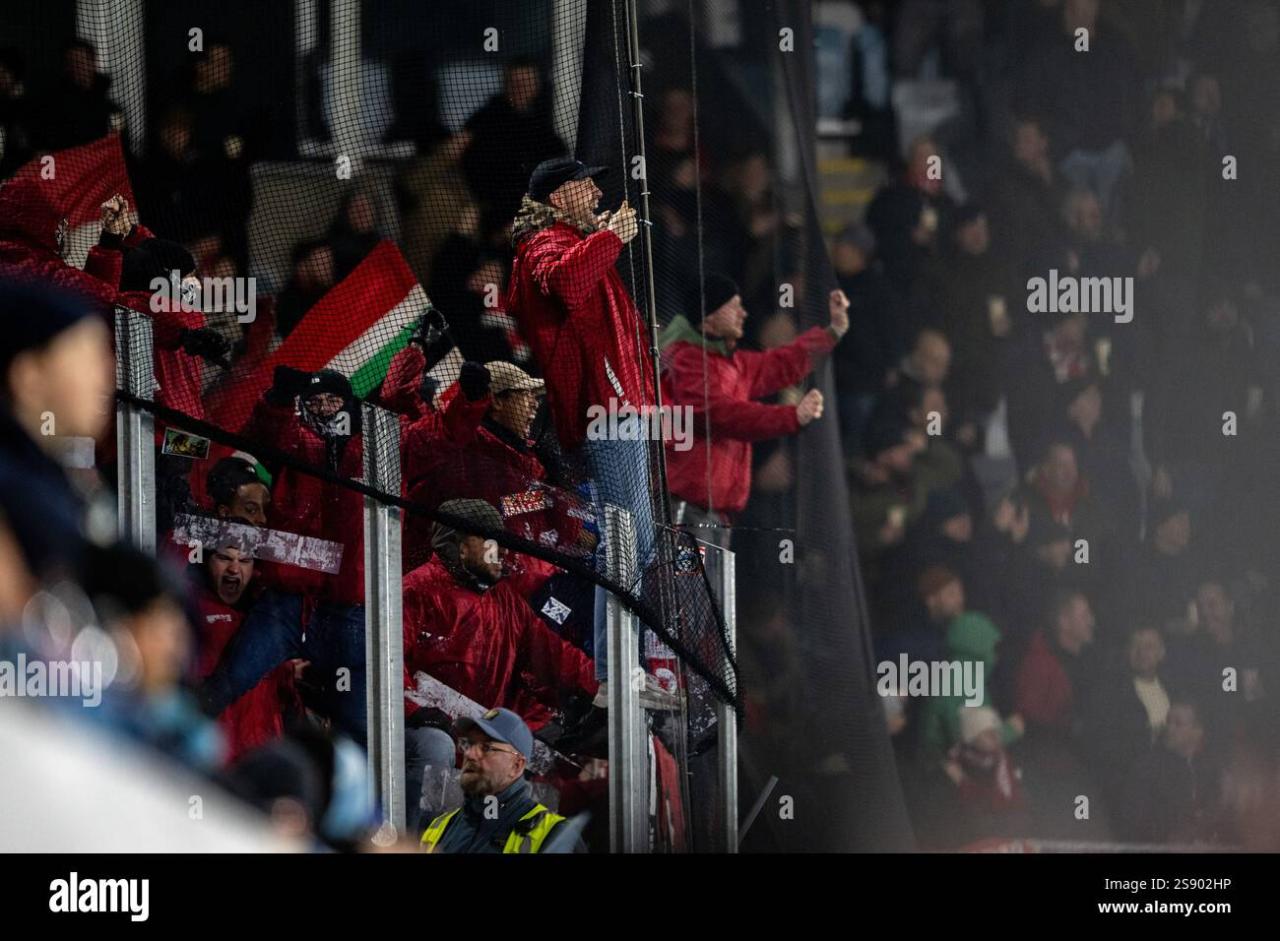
[(587, 338), (488, 645), (257, 717), (720, 390), (308, 506), (177, 373), (473, 459), (29, 243)]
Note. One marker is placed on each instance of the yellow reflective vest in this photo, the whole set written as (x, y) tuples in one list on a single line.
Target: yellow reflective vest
[(526, 837)]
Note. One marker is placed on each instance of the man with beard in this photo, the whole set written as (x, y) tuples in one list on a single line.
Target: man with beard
[(500, 814), (487, 453), (470, 629), (588, 340)]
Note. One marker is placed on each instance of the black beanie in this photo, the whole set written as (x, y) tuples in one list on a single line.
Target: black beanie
[(329, 380), (33, 314), (154, 258), (717, 290)]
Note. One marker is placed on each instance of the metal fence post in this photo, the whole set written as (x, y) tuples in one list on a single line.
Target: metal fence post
[(384, 633), (135, 431), (726, 715), (628, 742)]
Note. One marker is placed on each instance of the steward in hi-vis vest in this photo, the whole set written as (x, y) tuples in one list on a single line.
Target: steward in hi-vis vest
[(500, 814)]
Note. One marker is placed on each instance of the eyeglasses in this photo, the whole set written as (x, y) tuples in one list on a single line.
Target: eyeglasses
[(486, 748)]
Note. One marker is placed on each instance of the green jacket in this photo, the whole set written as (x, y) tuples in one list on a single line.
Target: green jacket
[(970, 637)]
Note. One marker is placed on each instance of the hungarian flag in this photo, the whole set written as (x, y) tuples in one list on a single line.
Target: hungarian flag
[(77, 181), (355, 329)]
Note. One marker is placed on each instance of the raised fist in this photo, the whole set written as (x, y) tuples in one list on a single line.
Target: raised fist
[(810, 407)]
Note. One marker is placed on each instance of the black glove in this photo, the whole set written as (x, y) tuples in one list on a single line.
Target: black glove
[(286, 384), (206, 343), (474, 380), (431, 325)]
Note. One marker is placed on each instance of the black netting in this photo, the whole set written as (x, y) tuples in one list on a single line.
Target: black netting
[(386, 258), (352, 183)]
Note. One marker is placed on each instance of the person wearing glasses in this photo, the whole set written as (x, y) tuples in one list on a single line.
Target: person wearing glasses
[(500, 813), (490, 455)]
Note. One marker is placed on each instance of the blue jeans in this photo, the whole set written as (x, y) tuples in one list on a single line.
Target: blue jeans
[(272, 633), (620, 470)]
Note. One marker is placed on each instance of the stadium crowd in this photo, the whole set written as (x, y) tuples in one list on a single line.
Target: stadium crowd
[(1074, 499)]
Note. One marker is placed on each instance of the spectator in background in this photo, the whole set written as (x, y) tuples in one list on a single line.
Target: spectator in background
[(238, 491), (1059, 499), (885, 496), (1162, 568), (177, 188), (907, 216), (519, 112), (955, 26), (719, 385), (1089, 100), (181, 337), (467, 277), (680, 253), (15, 113), (971, 638), (929, 360), (1170, 156), (313, 275), (217, 114), (77, 110), (1025, 195), (976, 296), (743, 222), (354, 232), (1052, 678), (1176, 790), (674, 137), (878, 341), (1217, 649), (988, 781), (1129, 712)]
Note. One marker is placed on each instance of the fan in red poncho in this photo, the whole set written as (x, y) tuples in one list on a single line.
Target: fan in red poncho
[(472, 631), (486, 453)]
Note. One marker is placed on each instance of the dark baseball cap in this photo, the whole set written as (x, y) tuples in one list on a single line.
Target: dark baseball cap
[(550, 174), (501, 725)]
